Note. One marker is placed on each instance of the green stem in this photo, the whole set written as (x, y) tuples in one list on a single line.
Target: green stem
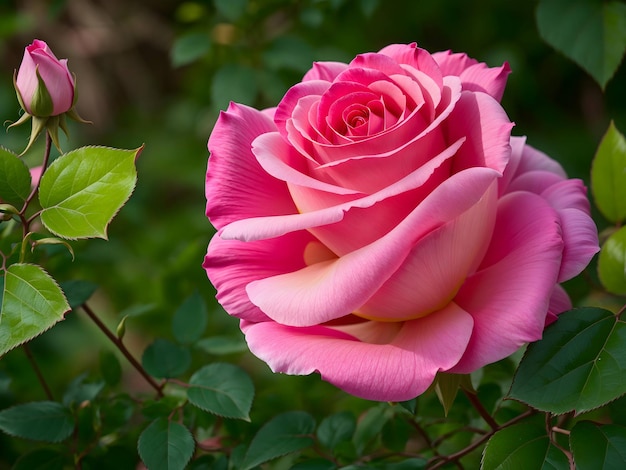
[(46, 158), (122, 348), (477, 443)]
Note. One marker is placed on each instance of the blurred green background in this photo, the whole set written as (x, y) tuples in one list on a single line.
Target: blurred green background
[(157, 72)]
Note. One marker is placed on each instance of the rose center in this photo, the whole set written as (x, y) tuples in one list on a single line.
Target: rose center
[(356, 115)]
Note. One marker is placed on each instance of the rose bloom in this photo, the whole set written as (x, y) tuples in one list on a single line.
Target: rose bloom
[(58, 81), (381, 224)]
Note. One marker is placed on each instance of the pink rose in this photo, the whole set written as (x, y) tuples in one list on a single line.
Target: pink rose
[(381, 224), (44, 84)]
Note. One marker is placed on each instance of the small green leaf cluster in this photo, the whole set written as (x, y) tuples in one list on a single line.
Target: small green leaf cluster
[(574, 375), (608, 184), (79, 194)]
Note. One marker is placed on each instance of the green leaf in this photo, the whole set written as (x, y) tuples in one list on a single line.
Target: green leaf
[(231, 9), (579, 364), (408, 464), (41, 459), (234, 82), (336, 428), (608, 175), (15, 178), (222, 345), (612, 262), (314, 464), (409, 405), (80, 391), (164, 359), (82, 190), (190, 320), (165, 445), (78, 292), (223, 389), (31, 303), (522, 446), (592, 33), (592, 443), (152, 409), (446, 387), (370, 426), (288, 432), (396, 433), (47, 421), (189, 48)]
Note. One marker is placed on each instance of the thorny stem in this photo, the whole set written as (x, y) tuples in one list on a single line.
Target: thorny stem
[(122, 348), (473, 398), (477, 443), (38, 373)]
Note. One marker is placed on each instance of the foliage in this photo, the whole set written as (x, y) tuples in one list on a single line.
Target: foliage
[(115, 352)]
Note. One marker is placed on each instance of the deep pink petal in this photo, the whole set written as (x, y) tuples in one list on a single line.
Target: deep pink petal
[(510, 172), (452, 63), (286, 106), (509, 297), (559, 303), (333, 289), (407, 132), (534, 181), (475, 76), (490, 80), (236, 185), (231, 265), (482, 120), (380, 64), (398, 371), (327, 71), (415, 57), (535, 160), (568, 194), (581, 242), (283, 162), (267, 227)]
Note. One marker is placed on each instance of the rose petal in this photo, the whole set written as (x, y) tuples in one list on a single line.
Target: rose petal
[(267, 227), (482, 120), (231, 265), (333, 289), (535, 160), (397, 371), (437, 266), (510, 172), (581, 242), (534, 181), (236, 186), (417, 58), (301, 90), (327, 71), (567, 194), (452, 63), (508, 296), (559, 303), (475, 76)]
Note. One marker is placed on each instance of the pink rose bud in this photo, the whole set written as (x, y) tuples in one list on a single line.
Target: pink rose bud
[(44, 84)]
